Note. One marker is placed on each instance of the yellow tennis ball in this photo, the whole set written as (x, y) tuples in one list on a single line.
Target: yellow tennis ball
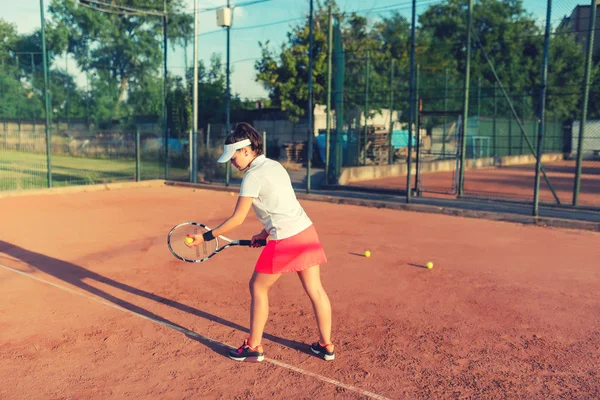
[(367, 253), (189, 240), (429, 265), (231, 194)]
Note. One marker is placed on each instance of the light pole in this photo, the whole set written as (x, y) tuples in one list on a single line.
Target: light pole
[(224, 18)]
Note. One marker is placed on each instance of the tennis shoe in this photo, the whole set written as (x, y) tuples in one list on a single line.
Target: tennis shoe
[(326, 351), (247, 353)]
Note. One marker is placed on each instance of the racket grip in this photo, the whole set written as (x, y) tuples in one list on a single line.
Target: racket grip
[(249, 242)]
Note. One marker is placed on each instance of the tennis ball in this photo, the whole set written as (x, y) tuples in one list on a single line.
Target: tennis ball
[(231, 194), (189, 240), (367, 253), (429, 265)]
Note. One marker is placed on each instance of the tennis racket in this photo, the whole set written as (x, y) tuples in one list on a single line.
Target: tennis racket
[(204, 251)]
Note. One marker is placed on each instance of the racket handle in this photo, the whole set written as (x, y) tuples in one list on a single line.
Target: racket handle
[(249, 242)]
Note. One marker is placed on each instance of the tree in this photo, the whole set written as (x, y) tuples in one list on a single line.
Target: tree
[(394, 34), (360, 43), (68, 101), (179, 109), (9, 83), (285, 75), (503, 29), (594, 99), (8, 40), (20, 86), (565, 76), (514, 43), (117, 43)]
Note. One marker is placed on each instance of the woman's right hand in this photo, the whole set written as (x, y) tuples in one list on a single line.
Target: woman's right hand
[(260, 236)]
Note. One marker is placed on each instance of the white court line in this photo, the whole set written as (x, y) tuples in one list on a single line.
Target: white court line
[(196, 335)]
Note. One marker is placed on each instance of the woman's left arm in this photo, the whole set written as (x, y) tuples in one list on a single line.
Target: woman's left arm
[(240, 212), (239, 215)]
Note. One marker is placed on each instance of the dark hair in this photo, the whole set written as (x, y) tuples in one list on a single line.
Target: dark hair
[(244, 130)]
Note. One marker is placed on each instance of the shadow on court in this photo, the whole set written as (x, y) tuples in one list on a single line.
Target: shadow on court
[(75, 275)]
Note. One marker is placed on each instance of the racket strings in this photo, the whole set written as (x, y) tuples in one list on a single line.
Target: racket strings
[(179, 246), (198, 247)]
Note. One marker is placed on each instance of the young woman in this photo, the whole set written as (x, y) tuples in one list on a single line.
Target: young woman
[(293, 244)]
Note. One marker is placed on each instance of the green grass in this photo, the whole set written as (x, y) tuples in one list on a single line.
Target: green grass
[(22, 170)]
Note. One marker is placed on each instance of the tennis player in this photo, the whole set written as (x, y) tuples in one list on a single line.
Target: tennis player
[(293, 244)]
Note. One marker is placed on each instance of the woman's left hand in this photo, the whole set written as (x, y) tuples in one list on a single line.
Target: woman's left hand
[(197, 240)]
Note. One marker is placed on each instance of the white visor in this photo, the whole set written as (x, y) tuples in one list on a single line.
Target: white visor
[(229, 149)]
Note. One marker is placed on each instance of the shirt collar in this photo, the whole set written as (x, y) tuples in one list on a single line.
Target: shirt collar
[(257, 161)]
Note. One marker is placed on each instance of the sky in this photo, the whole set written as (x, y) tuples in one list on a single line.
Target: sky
[(254, 23)]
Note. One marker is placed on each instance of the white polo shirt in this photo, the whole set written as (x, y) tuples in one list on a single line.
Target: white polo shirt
[(275, 202)]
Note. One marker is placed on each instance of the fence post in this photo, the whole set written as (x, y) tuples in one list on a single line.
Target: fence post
[(510, 118), (542, 111), (191, 154), (494, 138), (391, 133), (194, 133), (311, 131), (364, 157), (411, 101), (46, 98), (463, 144), (418, 108), (445, 110), (264, 138), (208, 137), (586, 92), (329, 74), (137, 155)]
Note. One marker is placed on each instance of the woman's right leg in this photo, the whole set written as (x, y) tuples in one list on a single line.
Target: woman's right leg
[(311, 281)]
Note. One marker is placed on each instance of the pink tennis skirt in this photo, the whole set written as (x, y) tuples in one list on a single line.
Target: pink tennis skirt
[(292, 254)]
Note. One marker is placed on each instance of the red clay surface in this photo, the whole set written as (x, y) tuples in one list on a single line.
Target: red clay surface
[(512, 182), (508, 311)]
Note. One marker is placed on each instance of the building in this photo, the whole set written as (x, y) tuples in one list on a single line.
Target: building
[(579, 22)]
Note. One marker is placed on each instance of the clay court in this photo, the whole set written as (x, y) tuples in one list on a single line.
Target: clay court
[(93, 305), (514, 182)]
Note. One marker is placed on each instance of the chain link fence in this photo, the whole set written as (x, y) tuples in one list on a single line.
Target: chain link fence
[(462, 108)]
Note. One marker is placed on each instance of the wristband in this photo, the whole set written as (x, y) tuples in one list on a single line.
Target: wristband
[(208, 236)]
